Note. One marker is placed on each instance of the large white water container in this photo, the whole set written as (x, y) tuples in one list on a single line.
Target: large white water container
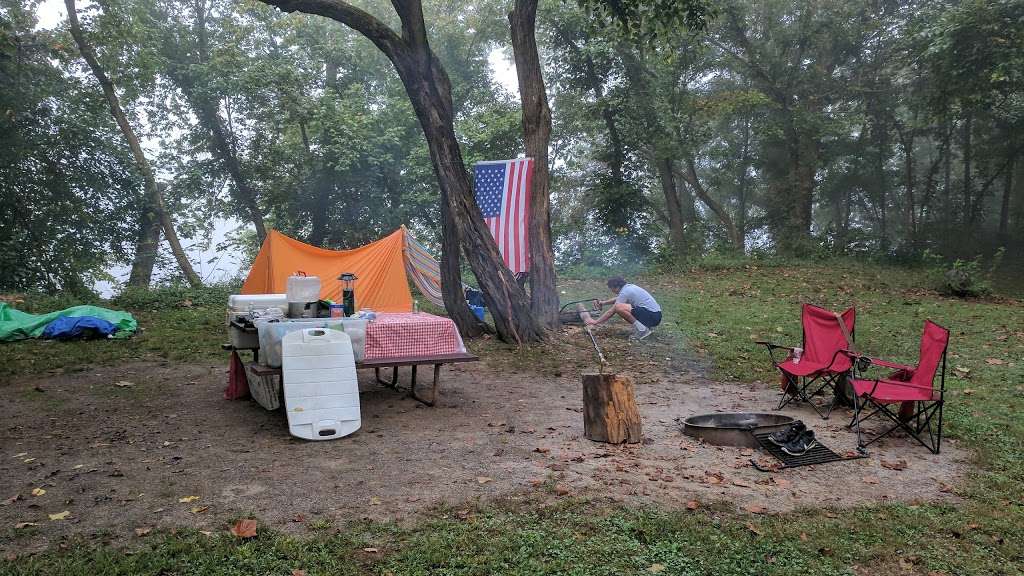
[(321, 392), (303, 288)]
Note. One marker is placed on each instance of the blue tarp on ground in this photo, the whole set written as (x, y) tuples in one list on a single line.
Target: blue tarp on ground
[(71, 327)]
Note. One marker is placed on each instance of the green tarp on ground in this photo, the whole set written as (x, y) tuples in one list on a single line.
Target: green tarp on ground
[(18, 325)]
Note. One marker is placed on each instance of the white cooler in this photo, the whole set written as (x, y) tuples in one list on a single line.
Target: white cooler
[(321, 392)]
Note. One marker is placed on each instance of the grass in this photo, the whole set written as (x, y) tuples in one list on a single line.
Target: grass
[(718, 313)]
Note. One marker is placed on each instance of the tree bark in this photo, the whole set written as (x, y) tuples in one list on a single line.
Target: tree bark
[(610, 413), (152, 191), (429, 90), (968, 151), (221, 141), (451, 281), (147, 245), (1004, 206), (690, 175), (536, 136), (673, 208)]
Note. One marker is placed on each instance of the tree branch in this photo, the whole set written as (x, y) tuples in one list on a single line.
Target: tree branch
[(386, 39)]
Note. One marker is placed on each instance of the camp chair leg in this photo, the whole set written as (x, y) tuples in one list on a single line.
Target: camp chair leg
[(928, 413)]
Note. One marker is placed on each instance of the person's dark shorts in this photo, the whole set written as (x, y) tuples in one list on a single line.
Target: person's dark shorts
[(647, 317)]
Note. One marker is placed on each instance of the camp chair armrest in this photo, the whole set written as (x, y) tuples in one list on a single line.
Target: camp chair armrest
[(893, 365), (772, 346)]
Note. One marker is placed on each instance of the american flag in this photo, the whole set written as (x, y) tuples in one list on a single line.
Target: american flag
[(503, 195)]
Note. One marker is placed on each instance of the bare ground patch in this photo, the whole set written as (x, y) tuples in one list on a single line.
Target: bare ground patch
[(122, 457)]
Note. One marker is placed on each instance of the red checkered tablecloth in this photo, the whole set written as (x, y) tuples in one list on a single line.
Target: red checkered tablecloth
[(400, 335)]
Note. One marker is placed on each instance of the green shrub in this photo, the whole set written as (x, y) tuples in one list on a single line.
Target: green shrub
[(176, 296)]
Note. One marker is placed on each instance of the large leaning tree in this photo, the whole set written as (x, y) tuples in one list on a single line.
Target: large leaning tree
[(429, 90), (153, 192)]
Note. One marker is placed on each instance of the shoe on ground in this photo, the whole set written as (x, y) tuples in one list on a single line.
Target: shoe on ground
[(788, 434), (801, 444), (640, 335)]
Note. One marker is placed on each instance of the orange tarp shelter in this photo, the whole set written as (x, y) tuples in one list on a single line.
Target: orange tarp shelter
[(380, 266)]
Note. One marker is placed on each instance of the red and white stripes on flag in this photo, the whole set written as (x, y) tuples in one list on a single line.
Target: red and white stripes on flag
[(503, 195)]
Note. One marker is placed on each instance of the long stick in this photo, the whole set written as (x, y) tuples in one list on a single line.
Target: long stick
[(584, 317)]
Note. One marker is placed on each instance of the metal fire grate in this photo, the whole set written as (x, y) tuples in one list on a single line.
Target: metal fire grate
[(819, 454)]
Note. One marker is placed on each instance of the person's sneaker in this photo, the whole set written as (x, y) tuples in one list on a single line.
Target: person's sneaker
[(801, 444), (788, 434), (640, 335)]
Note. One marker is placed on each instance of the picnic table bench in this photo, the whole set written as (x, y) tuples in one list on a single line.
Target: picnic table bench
[(394, 363)]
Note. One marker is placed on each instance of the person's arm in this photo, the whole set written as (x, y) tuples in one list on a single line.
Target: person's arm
[(600, 320)]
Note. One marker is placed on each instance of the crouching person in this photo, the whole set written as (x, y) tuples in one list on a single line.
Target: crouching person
[(634, 305)]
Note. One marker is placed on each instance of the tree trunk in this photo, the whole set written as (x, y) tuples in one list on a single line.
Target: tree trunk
[(536, 135), (741, 215), (968, 150), (610, 413), (690, 175), (147, 245), (323, 180), (1004, 207), (221, 143), (451, 281), (152, 192), (676, 228)]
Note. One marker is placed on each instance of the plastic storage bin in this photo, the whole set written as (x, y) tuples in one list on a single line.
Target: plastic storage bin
[(303, 289), (321, 392)]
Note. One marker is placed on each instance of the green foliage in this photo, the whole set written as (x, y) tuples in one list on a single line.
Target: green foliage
[(967, 278), (175, 296)]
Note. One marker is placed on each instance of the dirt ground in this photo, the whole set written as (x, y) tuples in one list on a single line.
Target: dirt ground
[(121, 458)]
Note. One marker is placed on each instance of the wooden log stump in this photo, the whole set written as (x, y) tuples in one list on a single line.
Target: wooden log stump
[(609, 409)]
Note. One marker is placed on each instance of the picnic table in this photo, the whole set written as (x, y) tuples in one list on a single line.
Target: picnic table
[(412, 339)]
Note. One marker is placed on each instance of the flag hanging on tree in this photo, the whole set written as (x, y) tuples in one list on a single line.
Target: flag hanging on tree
[(503, 195)]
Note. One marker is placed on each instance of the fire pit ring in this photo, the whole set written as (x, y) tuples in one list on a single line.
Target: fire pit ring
[(733, 428)]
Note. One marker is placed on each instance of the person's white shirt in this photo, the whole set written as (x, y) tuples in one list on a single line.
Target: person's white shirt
[(637, 297)]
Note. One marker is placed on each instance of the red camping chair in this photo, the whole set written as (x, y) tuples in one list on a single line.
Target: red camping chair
[(913, 388), (823, 363)]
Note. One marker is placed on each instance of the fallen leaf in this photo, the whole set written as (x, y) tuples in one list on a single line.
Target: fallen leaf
[(245, 528), (894, 465), (542, 450), (742, 483), (140, 532), (20, 455), (484, 479), (187, 499), (755, 509), (27, 460), (561, 490), (656, 568), (298, 572), (804, 537), (60, 515), (21, 525), (38, 491), (870, 480), (752, 528), (371, 550), (375, 501), (206, 533), (692, 505), (124, 384), (995, 361), (199, 509), (77, 466), (782, 482)]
